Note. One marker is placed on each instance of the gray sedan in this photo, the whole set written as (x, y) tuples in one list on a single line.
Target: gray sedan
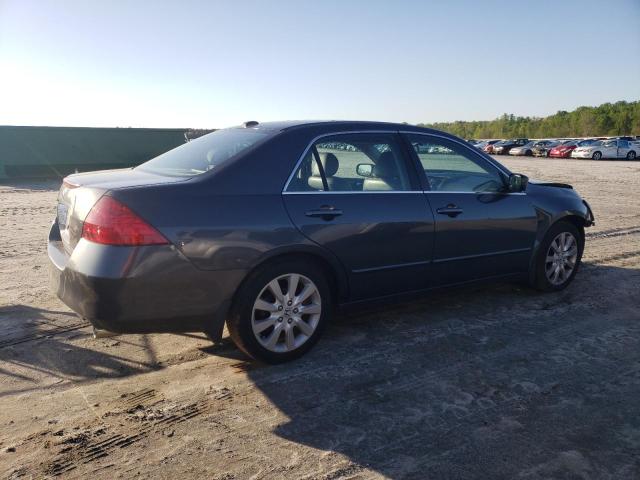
[(272, 228)]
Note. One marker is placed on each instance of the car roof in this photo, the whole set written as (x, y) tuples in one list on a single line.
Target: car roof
[(339, 125)]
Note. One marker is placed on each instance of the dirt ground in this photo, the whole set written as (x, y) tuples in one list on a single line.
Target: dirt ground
[(486, 382)]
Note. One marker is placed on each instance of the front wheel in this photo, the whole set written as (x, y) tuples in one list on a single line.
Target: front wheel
[(559, 257), (596, 155), (631, 155), (280, 311)]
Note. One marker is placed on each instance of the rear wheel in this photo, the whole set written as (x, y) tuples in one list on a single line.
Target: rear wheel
[(528, 153), (280, 311), (631, 155), (596, 155), (559, 257)]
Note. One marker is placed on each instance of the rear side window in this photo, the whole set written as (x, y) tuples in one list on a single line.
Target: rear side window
[(204, 153), (363, 162)]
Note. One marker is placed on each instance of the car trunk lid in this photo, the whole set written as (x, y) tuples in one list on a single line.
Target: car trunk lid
[(80, 192)]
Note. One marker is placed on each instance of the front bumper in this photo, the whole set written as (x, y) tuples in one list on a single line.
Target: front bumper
[(140, 289), (575, 154)]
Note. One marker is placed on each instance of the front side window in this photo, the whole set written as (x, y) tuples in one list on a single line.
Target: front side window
[(362, 162), (450, 167), (203, 154)]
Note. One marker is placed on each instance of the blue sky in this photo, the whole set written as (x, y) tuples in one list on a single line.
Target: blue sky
[(218, 63)]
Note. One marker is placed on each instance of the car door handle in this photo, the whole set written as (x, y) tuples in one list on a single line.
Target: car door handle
[(451, 210), (326, 213)]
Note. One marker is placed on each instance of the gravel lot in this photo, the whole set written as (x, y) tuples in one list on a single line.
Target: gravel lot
[(492, 382)]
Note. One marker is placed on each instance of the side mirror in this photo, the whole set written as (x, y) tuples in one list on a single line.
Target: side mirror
[(365, 169), (518, 182)]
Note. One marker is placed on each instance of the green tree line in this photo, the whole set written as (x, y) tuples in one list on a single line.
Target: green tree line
[(608, 119)]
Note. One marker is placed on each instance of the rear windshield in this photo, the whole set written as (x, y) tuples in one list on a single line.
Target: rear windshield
[(203, 154)]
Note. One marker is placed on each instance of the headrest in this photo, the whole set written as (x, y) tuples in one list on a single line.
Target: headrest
[(385, 165), (329, 162)]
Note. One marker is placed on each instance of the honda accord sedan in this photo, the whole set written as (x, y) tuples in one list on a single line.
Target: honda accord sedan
[(272, 228)]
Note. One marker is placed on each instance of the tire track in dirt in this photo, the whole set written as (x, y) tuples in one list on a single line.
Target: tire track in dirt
[(8, 342), (612, 258), (93, 450), (614, 232)]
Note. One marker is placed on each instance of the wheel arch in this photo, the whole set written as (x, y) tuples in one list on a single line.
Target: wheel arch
[(336, 276), (577, 220), (331, 266)]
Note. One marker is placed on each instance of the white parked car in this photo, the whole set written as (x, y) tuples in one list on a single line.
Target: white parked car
[(608, 149)]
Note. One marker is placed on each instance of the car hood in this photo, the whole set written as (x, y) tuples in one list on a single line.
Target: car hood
[(542, 183)]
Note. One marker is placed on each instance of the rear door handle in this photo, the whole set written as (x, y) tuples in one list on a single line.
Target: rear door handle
[(451, 210), (324, 212)]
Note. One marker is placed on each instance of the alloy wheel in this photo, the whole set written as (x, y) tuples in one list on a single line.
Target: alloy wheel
[(286, 313), (561, 258), (597, 156), (631, 155)]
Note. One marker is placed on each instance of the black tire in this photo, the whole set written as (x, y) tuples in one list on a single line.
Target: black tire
[(597, 155), (540, 280), (631, 155), (239, 321), (528, 153)]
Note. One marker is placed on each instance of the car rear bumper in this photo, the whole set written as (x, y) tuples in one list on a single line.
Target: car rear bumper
[(140, 289)]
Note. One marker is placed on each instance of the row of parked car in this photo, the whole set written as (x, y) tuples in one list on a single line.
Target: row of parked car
[(595, 148)]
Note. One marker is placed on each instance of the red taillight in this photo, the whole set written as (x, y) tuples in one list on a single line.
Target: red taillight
[(113, 223)]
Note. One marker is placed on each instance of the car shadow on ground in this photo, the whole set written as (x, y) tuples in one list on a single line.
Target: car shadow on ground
[(478, 383), (35, 346)]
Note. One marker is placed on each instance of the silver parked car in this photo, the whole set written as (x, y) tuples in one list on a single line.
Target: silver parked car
[(527, 150), (607, 149)]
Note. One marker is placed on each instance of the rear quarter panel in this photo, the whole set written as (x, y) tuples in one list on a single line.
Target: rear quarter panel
[(235, 218)]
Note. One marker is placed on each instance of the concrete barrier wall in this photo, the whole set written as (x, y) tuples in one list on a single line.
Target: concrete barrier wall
[(49, 152)]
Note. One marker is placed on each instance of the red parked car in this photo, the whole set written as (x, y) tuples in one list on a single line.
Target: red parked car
[(564, 149)]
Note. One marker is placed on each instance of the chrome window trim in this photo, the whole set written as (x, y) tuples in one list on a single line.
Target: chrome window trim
[(355, 192), (412, 192), (475, 193), (341, 132)]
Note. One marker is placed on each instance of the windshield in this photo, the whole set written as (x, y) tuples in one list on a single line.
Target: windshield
[(204, 153)]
